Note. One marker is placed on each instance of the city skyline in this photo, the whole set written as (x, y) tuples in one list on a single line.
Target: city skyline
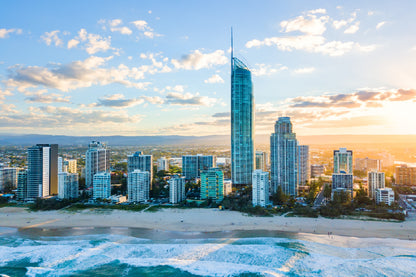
[(334, 68)]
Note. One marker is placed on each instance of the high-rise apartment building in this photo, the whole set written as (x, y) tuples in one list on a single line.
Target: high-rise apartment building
[(176, 189), (343, 161), (8, 177), (42, 172), (317, 170), (284, 157), (212, 184), (367, 164), (192, 165), (65, 165), (142, 162), (138, 186), (260, 188), (261, 160), (405, 175), (102, 185), (242, 123), (97, 159), (22, 185), (375, 180), (303, 168), (68, 186), (163, 164)]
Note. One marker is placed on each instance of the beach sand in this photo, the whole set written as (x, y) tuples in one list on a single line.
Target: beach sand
[(204, 220)]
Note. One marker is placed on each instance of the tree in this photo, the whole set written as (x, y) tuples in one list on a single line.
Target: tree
[(327, 191), (279, 198), (8, 187)]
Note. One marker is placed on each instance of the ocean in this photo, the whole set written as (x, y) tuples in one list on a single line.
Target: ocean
[(143, 252)]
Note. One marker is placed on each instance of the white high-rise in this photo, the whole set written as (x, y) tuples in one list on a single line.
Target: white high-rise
[(163, 164), (68, 185), (176, 189), (102, 185), (260, 182), (138, 186), (303, 168), (97, 159), (375, 180), (385, 195)]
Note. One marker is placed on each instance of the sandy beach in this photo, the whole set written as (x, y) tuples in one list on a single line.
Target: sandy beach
[(204, 220)]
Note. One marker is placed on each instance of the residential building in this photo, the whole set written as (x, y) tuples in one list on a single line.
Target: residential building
[(101, 185), (68, 186), (260, 190), (42, 172), (343, 181), (367, 164), (138, 186), (284, 157), (384, 195), (22, 185), (142, 162), (303, 168), (176, 189), (192, 165), (8, 177), (261, 160), (163, 164), (70, 165), (212, 184), (375, 180), (317, 170), (97, 159), (242, 123), (343, 161), (228, 187), (405, 175)]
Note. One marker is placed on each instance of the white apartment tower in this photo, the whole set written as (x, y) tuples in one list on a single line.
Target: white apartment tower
[(375, 180), (176, 189), (97, 159), (260, 182), (138, 186), (102, 185)]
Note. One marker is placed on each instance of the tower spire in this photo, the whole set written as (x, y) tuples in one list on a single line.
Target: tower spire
[(232, 49)]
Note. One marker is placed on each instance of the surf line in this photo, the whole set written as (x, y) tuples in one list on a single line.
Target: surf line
[(39, 224)]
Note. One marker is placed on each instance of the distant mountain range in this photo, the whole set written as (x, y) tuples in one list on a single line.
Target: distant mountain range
[(30, 139)]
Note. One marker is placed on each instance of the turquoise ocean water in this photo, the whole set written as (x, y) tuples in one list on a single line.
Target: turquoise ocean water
[(141, 252)]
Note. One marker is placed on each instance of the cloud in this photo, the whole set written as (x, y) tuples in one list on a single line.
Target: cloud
[(176, 98), (214, 79), (304, 70), (41, 96), (4, 33), (143, 26), (52, 37), (118, 101), (72, 43), (309, 24), (115, 26), (92, 43), (339, 23), (224, 114), (154, 99), (353, 28), (381, 24), (77, 74), (198, 60), (266, 70)]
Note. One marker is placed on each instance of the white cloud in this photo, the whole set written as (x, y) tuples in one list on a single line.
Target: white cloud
[(381, 24), (304, 70), (311, 24), (41, 96), (115, 26), (92, 43), (117, 101), (353, 28), (266, 70), (115, 22), (323, 11), (339, 23), (197, 60), (214, 79), (72, 43), (52, 37), (143, 26), (189, 99), (4, 33)]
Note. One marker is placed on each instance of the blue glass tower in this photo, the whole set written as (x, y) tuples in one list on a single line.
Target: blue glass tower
[(284, 157), (242, 123)]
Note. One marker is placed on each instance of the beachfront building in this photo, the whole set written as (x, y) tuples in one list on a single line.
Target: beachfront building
[(212, 184), (142, 162), (228, 187), (343, 161), (42, 172), (284, 157), (176, 189), (67, 165), (101, 185), (367, 164), (317, 170), (163, 164), (405, 175), (342, 181), (303, 168), (8, 178), (261, 160), (68, 185), (97, 159), (138, 186), (22, 185), (375, 180), (260, 190), (192, 165), (242, 123), (384, 195)]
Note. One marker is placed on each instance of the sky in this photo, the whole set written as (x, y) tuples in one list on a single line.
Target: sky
[(135, 68)]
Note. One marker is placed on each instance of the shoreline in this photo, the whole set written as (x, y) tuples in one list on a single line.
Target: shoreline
[(204, 220)]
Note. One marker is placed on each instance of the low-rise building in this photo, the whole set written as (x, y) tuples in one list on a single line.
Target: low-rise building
[(385, 195), (176, 189)]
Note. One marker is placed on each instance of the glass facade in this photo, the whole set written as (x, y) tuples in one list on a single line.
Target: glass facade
[(242, 124), (212, 184), (343, 161), (284, 157)]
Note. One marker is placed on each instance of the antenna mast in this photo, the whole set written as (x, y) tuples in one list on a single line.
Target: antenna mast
[(232, 50)]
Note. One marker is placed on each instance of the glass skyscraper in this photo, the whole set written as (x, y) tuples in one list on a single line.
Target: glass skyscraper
[(242, 123), (284, 157)]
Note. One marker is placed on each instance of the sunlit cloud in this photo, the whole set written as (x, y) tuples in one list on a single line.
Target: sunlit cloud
[(198, 60)]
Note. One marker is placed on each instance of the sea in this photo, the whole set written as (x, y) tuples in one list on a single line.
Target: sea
[(144, 252)]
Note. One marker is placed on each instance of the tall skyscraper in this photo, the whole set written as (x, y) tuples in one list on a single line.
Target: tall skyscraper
[(192, 165), (261, 160), (97, 159), (176, 189), (303, 160), (138, 185), (141, 162), (242, 123), (42, 173), (260, 188), (375, 180), (212, 184), (284, 157), (343, 161), (68, 185), (102, 185)]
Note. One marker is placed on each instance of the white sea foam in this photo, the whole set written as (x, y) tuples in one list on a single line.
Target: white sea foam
[(212, 257)]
